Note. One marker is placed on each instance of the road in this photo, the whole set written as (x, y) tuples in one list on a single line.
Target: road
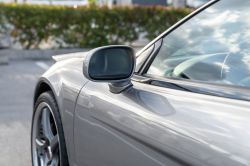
[(17, 83)]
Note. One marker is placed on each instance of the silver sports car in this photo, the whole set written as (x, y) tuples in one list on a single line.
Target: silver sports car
[(182, 100)]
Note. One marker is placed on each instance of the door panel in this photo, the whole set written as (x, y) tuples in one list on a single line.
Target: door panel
[(150, 125)]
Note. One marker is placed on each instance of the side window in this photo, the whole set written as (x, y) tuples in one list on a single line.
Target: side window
[(213, 46)]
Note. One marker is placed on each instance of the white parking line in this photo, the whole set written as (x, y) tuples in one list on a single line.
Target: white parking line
[(42, 65)]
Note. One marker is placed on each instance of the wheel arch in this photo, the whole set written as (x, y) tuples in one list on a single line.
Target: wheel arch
[(42, 86), (65, 79)]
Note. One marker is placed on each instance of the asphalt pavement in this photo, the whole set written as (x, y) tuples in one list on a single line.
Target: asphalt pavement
[(17, 84)]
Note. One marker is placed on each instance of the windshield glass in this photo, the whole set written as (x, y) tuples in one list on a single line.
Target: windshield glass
[(212, 46)]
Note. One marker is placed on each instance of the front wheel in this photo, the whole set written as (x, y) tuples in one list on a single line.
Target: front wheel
[(47, 138)]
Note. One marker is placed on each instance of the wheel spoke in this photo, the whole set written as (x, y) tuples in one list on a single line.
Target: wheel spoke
[(41, 161), (46, 138), (47, 133), (54, 143), (54, 161), (46, 161), (40, 145)]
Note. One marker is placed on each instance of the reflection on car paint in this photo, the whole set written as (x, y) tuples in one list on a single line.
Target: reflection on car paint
[(199, 130)]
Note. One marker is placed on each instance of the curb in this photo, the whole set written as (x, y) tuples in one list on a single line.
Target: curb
[(4, 59)]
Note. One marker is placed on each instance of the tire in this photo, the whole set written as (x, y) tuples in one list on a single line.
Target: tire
[(47, 136)]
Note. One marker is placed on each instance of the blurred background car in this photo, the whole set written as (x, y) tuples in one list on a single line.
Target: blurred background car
[(196, 3), (187, 3)]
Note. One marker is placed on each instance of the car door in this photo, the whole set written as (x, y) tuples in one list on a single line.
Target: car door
[(151, 125), (189, 104)]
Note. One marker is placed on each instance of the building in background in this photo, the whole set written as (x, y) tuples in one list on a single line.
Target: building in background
[(187, 3), (196, 3), (179, 3), (175, 3), (133, 2), (150, 2)]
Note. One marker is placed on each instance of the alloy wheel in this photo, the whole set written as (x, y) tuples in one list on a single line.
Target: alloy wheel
[(45, 138)]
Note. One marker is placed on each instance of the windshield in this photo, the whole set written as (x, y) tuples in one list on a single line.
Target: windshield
[(212, 46)]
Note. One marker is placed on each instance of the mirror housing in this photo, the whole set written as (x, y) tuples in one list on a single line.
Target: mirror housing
[(111, 64)]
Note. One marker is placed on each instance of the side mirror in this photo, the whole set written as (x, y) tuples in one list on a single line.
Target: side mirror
[(112, 64)]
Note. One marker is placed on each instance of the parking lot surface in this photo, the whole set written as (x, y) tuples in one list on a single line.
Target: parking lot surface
[(17, 83)]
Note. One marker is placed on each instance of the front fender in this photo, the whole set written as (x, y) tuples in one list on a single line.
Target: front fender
[(65, 78)]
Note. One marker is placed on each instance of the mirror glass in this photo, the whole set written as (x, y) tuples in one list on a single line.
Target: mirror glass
[(111, 64)]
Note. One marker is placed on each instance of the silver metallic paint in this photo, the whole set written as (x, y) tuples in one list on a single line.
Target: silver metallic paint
[(58, 58), (66, 80), (150, 125), (133, 129)]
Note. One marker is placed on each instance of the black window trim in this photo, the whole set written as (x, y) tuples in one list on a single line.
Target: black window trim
[(201, 87), (151, 57), (137, 70)]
